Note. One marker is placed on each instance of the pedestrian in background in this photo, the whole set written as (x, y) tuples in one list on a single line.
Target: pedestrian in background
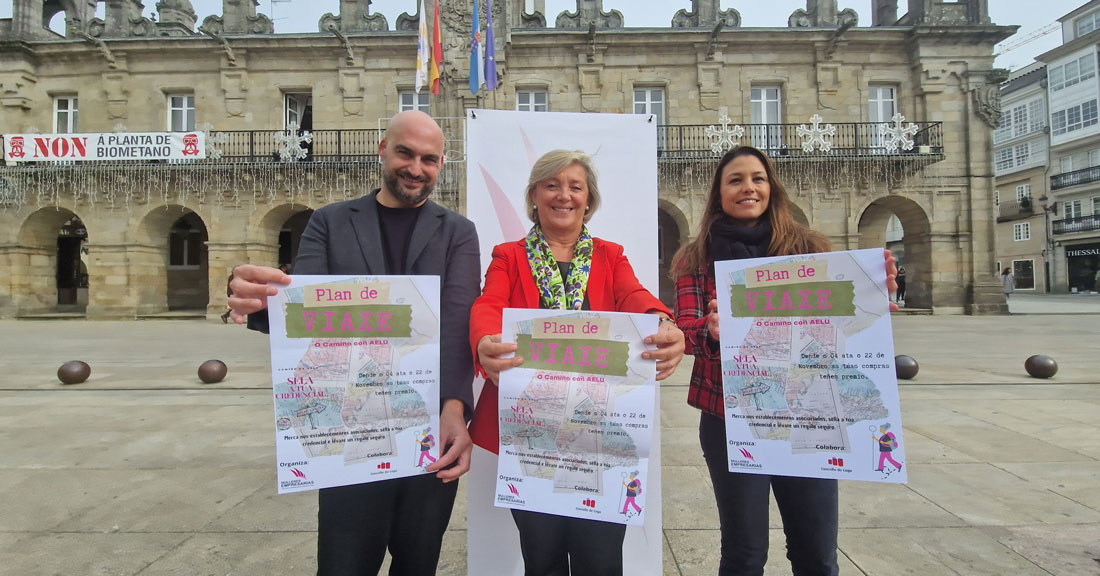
[(1008, 283)]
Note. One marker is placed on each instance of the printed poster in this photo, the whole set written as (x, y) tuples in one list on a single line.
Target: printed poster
[(355, 374), (577, 417), (808, 367)]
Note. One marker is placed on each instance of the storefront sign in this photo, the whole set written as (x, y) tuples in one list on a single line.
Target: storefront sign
[(1082, 250)]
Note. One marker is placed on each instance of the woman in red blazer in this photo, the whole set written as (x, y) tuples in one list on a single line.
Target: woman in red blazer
[(559, 265)]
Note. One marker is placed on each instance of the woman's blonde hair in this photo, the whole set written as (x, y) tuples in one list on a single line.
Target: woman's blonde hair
[(553, 162), (788, 236)]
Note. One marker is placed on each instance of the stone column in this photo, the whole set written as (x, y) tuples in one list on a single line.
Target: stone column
[(111, 290), (222, 257)]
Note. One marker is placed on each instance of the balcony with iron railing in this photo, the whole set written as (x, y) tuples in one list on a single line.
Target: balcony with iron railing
[(1074, 225), (1015, 209), (1075, 178), (852, 141)]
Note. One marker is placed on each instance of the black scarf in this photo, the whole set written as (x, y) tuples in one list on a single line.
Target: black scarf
[(732, 241)]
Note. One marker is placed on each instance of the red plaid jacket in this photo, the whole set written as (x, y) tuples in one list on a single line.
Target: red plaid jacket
[(693, 293)]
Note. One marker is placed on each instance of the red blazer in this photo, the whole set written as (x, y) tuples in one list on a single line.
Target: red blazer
[(612, 287)]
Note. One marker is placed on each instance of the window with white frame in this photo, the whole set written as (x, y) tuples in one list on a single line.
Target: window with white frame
[(181, 112), (532, 101), (1020, 120), (650, 101), (1074, 118), (1072, 73), (882, 103), (1096, 205), (64, 115), (1003, 159), (1094, 157), (410, 100), (1021, 231), (1071, 209), (1023, 193), (298, 109), (767, 113), (1088, 23)]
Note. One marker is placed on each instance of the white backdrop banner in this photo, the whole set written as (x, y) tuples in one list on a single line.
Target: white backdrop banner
[(501, 148)]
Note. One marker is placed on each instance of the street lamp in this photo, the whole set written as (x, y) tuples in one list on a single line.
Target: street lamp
[(1048, 251)]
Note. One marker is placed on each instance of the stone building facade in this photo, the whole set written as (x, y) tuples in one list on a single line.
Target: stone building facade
[(124, 240)]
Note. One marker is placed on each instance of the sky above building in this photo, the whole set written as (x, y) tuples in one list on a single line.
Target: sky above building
[(302, 16)]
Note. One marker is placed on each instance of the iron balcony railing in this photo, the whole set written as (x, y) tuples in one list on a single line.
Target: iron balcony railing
[(1075, 178), (1014, 210), (782, 141), (1079, 224), (674, 141)]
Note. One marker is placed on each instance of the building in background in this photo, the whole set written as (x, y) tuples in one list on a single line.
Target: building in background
[(1020, 163), (1073, 92), (866, 124)]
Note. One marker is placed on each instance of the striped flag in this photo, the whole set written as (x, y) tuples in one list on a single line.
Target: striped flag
[(437, 52), (423, 50), (490, 50), (477, 57)]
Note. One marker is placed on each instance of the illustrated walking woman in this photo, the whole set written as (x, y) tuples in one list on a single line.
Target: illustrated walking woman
[(748, 215), (426, 441), (886, 444), (633, 489)]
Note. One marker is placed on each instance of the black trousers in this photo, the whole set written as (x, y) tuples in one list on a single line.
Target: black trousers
[(562, 546), (356, 524), (809, 507)]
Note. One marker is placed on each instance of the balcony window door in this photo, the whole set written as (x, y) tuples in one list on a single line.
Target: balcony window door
[(532, 101), (1071, 209), (181, 113), (882, 104), (767, 115), (298, 108), (410, 100), (651, 101), (1023, 194), (64, 114)]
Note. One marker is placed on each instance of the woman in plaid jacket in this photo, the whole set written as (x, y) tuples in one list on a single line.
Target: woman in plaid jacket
[(748, 216)]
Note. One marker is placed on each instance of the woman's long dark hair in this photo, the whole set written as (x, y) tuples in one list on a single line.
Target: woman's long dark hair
[(788, 236)]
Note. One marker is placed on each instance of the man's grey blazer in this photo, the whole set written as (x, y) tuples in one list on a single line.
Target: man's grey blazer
[(345, 239)]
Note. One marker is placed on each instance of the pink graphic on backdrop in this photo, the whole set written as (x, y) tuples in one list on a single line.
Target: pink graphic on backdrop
[(532, 156), (510, 224)]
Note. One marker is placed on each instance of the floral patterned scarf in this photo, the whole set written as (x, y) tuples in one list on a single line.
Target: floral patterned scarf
[(553, 293)]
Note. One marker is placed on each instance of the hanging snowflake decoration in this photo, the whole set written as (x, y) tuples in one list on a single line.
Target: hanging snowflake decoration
[(290, 143), (213, 141), (814, 137), (32, 129), (726, 137), (895, 134)]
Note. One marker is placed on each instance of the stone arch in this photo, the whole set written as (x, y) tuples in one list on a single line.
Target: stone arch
[(48, 272), (798, 215), (281, 228), (170, 261), (672, 231), (916, 242), (75, 11)]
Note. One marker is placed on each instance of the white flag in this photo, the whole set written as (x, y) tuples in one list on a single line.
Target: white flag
[(423, 50)]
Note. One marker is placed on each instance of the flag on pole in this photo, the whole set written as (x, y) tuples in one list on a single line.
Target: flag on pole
[(437, 52), (423, 50), (490, 50), (477, 62)]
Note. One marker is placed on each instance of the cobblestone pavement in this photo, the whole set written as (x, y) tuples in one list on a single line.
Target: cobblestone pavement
[(144, 470)]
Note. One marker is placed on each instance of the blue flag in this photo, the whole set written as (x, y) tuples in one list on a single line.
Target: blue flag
[(476, 61), (490, 50)]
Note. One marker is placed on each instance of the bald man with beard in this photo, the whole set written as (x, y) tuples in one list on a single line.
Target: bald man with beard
[(394, 230)]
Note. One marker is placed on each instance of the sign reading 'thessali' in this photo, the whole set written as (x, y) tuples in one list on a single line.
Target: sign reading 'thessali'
[(114, 146), (1082, 250)]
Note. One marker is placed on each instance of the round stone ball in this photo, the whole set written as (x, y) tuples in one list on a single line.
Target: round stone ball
[(906, 367), (1040, 366), (74, 372), (212, 371)]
